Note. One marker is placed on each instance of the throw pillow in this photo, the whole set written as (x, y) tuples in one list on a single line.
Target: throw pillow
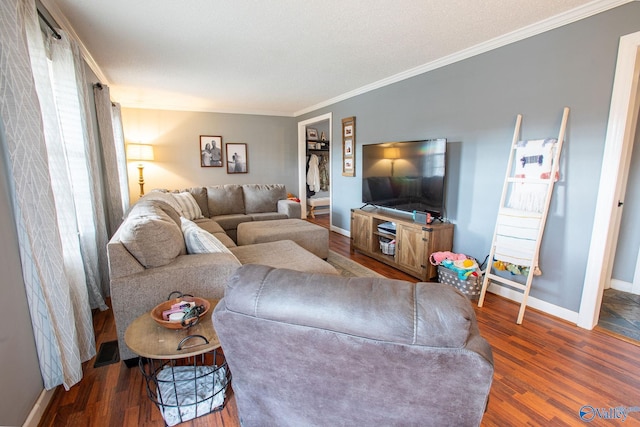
[(199, 241), (153, 238), (188, 205)]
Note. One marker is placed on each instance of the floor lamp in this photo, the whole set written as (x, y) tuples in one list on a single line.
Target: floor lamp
[(392, 153), (140, 152)]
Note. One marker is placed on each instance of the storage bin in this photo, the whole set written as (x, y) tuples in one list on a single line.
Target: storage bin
[(470, 287), (388, 247), (184, 389)]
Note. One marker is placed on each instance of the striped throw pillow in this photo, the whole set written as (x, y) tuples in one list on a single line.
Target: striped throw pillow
[(199, 241), (188, 205)]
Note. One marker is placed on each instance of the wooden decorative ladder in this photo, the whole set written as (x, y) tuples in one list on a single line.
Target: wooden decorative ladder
[(518, 232)]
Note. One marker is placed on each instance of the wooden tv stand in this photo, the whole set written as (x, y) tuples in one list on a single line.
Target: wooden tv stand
[(415, 242)]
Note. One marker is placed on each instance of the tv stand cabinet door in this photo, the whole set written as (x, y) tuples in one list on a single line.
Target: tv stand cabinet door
[(411, 242), (361, 232)]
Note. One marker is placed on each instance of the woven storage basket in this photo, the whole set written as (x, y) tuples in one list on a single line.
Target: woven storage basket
[(470, 287), (388, 248)]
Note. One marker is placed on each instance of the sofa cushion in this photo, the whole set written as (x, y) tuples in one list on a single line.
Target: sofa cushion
[(259, 198), (209, 225), (151, 236), (230, 222), (225, 200), (225, 239), (267, 216), (199, 241), (282, 254), (214, 228), (188, 205)]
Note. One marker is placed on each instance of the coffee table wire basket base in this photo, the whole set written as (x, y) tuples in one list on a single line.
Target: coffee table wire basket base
[(188, 388)]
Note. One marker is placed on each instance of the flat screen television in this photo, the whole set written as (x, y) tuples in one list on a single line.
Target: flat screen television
[(407, 175)]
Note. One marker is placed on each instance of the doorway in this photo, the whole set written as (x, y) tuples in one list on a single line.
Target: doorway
[(621, 130), (322, 125), (620, 309)]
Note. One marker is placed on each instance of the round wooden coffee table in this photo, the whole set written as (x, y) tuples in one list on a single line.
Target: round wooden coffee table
[(185, 370), (148, 339)]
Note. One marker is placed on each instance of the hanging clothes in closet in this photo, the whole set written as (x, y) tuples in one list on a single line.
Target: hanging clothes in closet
[(323, 170), (313, 174)]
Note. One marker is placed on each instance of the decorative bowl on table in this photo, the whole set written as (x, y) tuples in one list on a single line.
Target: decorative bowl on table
[(189, 317)]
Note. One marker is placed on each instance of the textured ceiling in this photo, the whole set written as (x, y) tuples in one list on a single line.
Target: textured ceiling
[(285, 57)]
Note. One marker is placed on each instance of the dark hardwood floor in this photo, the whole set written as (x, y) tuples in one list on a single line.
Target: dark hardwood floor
[(546, 370)]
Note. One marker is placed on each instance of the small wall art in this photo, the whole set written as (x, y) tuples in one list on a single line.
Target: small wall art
[(349, 146), (237, 158), (210, 151), (312, 134)]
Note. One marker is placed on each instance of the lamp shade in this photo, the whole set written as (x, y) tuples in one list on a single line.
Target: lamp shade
[(139, 152), (392, 153)]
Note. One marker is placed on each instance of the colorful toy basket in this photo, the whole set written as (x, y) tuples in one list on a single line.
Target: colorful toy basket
[(470, 287)]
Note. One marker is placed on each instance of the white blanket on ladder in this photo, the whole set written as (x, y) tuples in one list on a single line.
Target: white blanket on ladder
[(534, 159)]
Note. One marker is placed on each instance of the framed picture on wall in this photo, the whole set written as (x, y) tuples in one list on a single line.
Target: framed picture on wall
[(349, 146), (312, 134), (210, 151), (237, 158)]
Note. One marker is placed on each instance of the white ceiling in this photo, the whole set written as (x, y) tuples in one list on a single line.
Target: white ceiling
[(287, 57)]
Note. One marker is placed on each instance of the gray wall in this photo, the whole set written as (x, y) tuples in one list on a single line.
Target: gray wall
[(272, 148), (474, 103), (19, 369)]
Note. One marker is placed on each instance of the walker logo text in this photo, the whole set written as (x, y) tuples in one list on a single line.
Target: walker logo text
[(589, 413)]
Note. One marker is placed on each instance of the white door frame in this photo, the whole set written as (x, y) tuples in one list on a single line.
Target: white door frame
[(302, 160), (623, 116)]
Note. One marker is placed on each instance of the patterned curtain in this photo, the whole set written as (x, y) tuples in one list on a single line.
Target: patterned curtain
[(113, 154), (58, 202)]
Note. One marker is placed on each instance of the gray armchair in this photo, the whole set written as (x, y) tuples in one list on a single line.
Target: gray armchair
[(312, 349)]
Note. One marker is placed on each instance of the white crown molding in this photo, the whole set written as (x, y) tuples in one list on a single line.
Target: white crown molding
[(167, 107), (61, 20), (585, 11), (557, 21)]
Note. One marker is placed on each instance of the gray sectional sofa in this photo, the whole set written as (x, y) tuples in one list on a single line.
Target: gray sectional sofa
[(231, 204), (178, 242)]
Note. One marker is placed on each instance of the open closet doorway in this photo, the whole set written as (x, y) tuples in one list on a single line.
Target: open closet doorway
[(620, 309), (621, 131), (314, 165)]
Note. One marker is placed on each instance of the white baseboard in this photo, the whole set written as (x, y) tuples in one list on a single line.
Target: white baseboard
[(621, 285), (513, 295), (553, 310), (340, 231), (38, 408)]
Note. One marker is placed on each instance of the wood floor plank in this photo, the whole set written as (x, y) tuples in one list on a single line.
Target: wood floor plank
[(545, 370)]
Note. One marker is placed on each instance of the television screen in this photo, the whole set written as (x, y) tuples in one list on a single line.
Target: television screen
[(407, 175)]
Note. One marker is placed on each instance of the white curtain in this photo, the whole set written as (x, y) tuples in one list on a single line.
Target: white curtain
[(56, 167), (113, 154), (76, 159)]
